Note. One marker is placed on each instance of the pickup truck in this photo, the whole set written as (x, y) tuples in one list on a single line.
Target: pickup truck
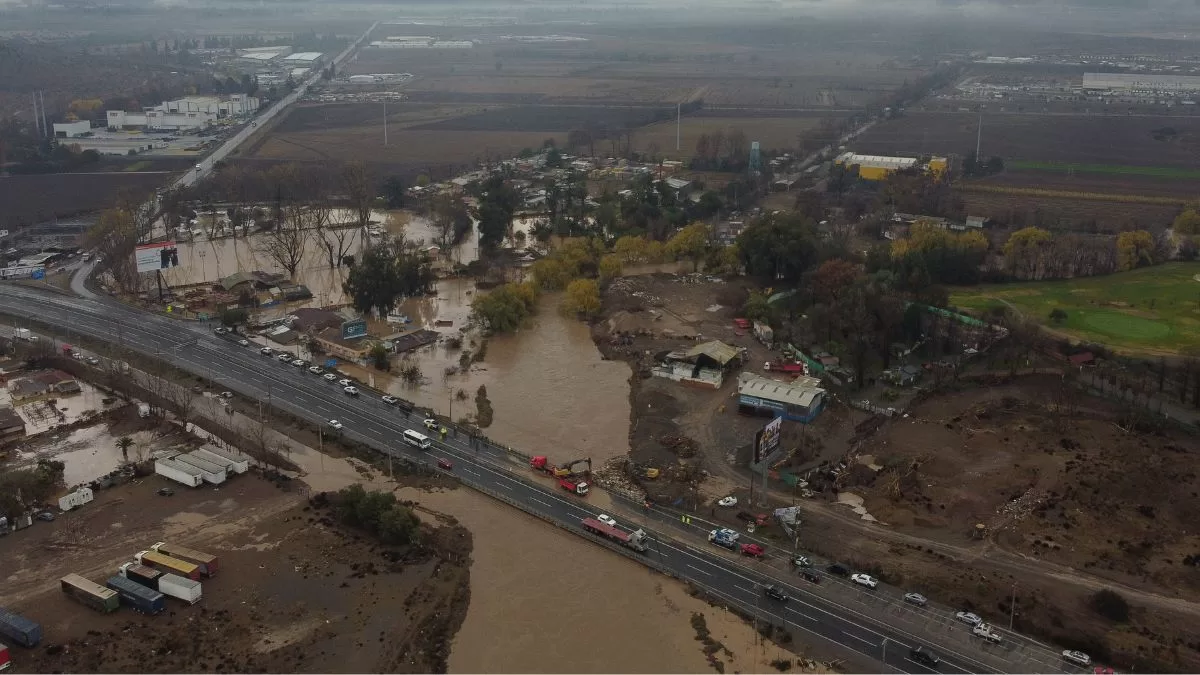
[(985, 631)]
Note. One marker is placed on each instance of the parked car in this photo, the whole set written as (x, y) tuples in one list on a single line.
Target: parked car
[(811, 576), (330, 377), (221, 330), (922, 655), (244, 342), (1077, 657), (607, 520), (969, 618), (345, 382), (864, 580), (299, 363), (753, 550), (916, 599), (352, 391), (284, 357), (45, 515), (390, 400), (315, 370), (775, 593), (985, 631), (166, 492), (265, 351), (93, 361), (446, 464), (430, 423), (727, 501), (839, 569), (801, 561), (336, 424)]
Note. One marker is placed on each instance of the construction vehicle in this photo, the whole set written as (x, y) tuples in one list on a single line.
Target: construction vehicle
[(574, 485), (542, 463)]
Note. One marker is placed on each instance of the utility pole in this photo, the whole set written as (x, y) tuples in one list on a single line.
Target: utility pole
[(385, 140), (978, 137), (45, 127), (37, 123), (1012, 606)]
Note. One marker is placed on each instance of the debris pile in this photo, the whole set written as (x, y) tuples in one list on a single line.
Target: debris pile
[(682, 446)]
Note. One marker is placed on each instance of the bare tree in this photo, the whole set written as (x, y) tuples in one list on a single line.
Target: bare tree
[(359, 187), (285, 244), (337, 235), (114, 237)]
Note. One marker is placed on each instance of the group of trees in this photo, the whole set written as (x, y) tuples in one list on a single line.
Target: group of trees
[(721, 151), (378, 513), (932, 254), (386, 272), (507, 307), (1033, 253)]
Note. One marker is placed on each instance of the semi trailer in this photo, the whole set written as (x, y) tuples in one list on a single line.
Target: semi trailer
[(90, 594), (206, 561), (635, 540), (180, 473), (19, 629), (137, 596), (168, 564), (168, 584)]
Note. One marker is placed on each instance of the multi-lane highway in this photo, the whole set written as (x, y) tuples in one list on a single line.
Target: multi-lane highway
[(876, 627), (206, 165)]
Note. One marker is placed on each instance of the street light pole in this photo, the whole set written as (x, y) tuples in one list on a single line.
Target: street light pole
[(1012, 606)]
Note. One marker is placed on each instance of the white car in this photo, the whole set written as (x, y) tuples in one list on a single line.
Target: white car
[(226, 394), (330, 376), (430, 423), (299, 362), (391, 400), (969, 618), (284, 357), (315, 370), (265, 351), (352, 391), (335, 424), (244, 342), (864, 580), (1078, 658), (727, 501), (985, 631), (607, 520), (344, 382), (916, 599)]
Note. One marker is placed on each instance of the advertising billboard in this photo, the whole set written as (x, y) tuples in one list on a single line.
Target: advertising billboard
[(766, 441), (157, 256), (354, 328)]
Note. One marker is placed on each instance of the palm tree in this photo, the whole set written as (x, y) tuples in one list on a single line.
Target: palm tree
[(123, 443)]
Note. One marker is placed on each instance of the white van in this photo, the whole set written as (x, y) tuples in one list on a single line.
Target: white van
[(419, 440)]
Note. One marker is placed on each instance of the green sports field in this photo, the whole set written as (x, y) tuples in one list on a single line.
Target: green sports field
[(1111, 169), (1151, 310)]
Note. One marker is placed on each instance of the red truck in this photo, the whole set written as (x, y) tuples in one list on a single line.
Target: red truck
[(574, 485), (784, 367), (635, 540)]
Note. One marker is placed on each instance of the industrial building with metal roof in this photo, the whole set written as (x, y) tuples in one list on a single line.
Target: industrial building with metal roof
[(1140, 82), (304, 57), (799, 401), (875, 167)]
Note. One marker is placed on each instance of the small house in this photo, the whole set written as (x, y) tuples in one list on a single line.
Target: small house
[(12, 425), (702, 366), (799, 401)]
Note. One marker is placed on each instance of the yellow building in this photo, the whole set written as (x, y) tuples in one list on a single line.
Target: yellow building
[(875, 167), (937, 166)]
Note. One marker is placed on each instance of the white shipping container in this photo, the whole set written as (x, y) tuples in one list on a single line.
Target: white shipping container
[(241, 462), (77, 498), (188, 475), (209, 471), (231, 467), (178, 587)]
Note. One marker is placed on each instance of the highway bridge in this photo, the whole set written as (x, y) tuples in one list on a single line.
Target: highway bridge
[(875, 628)]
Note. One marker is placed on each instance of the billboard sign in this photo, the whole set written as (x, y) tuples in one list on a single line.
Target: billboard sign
[(354, 328), (23, 272), (158, 256), (767, 441)]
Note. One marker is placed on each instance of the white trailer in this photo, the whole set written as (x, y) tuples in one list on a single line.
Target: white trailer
[(176, 586), (242, 462), (211, 472), (231, 467), (77, 498), (180, 473)]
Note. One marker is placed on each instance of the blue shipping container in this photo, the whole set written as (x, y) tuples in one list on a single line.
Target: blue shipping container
[(19, 629), (139, 597)]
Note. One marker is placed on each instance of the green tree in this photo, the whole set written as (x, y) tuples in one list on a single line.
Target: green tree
[(380, 357), (550, 273), (690, 242), (1134, 249), (497, 205), (1058, 315), (632, 249), (1187, 223), (1025, 250), (483, 408), (393, 192), (778, 247), (234, 317), (123, 444), (582, 298), (385, 272), (610, 267), (506, 308)]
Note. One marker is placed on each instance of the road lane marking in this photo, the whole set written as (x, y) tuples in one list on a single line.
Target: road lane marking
[(793, 609), (860, 639), (707, 574), (535, 499)]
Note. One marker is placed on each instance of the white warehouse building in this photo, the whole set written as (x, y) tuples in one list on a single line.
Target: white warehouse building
[(1130, 82), (195, 112)]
